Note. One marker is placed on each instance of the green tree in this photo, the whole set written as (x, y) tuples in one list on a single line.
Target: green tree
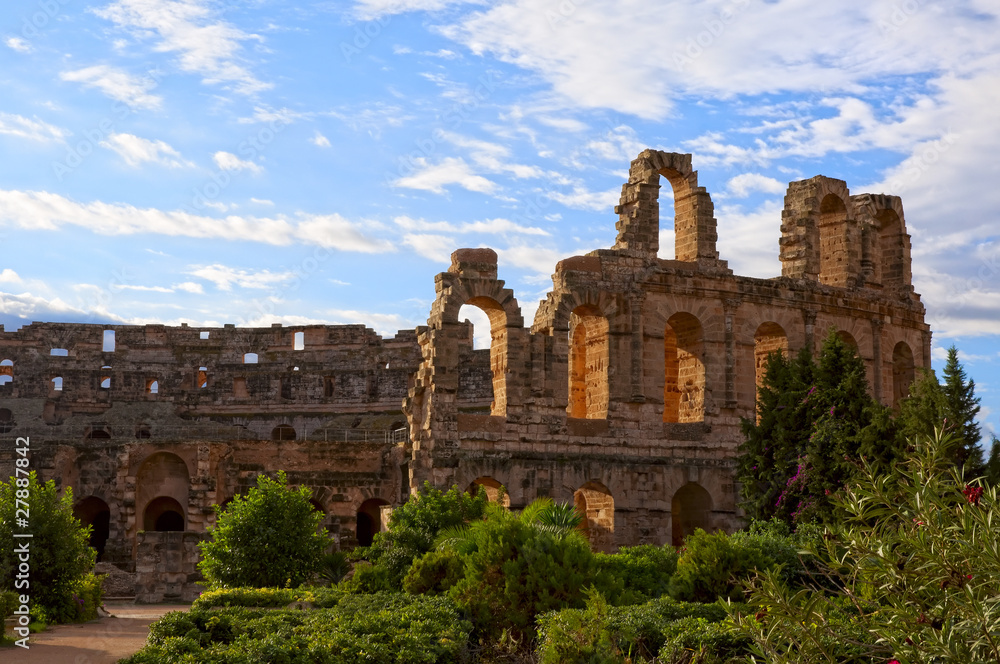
[(962, 409), (269, 537), (914, 567), (516, 566), (60, 557), (415, 525), (991, 472), (814, 419), (925, 408)]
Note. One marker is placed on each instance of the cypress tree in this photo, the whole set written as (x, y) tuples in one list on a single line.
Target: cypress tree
[(962, 407)]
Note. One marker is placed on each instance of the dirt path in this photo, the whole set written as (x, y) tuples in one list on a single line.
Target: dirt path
[(102, 642)]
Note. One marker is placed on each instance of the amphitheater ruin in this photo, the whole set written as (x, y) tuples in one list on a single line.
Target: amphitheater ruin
[(624, 395)]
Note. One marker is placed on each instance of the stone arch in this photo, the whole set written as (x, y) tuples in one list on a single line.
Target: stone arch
[(318, 506), (283, 432), (690, 508), (849, 339), (638, 210), (162, 475), (493, 489), (903, 372), (886, 244), (684, 369), (6, 371), (164, 514), (369, 520), (589, 348), (596, 506), (769, 338), (94, 512), (820, 239)]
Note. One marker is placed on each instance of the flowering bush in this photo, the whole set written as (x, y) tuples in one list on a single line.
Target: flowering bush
[(915, 568)]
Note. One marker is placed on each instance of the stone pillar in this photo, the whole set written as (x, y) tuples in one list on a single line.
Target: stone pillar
[(809, 319), (635, 303), (730, 305), (877, 324)]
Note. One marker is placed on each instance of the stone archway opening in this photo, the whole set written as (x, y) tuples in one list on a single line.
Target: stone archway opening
[(163, 514), (596, 506), (588, 364), (369, 520), (903, 372), (691, 508), (497, 344), (833, 241), (493, 490), (162, 485), (684, 370), (283, 432), (769, 338), (94, 512)]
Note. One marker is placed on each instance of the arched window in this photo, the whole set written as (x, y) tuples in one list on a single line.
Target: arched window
[(162, 485), (498, 348), (596, 506), (369, 520), (6, 372), (492, 488), (152, 386), (163, 514), (684, 370), (105, 377), (588, 364), (94, 512), (283, 432), (57, 384), (250, 358), (109, 341), (690, 508), (902, 372)]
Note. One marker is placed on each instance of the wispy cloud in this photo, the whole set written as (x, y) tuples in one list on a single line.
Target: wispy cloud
[(117, 84), (745, 184), (227, 161), (30, 128), (204, 45), (45, 211), (225, 277), (434, 177), (320, 140), (18, 44), (137, 151), (498, 225)]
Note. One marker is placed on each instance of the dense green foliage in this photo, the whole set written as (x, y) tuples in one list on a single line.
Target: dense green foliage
[(267, 597), (62, 587), (815, 419), (637, 573), (269, 537), (413, 527), (915, 567), (604, 633), (991, 471), (383, 628)]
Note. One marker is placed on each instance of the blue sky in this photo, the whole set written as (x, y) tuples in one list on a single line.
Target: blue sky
[(261, 161)]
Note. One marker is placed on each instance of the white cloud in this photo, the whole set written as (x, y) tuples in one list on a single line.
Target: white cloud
[(498, 225), (320, 140), (371, 9), (749, 240), (18, 44), (189, 287), (32, 129), (437, 248), (117, 84), (227, 161), (136, 151), (262, 201), (583, 199), (745, 184), (47, 211), (385, 324), (450, 170), (142, 289), (491, 157), (9, 276), (225, 277), (203, 44)]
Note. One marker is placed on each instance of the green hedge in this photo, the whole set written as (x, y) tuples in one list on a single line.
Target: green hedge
[(267, 597), (385, 628), (601, 632)]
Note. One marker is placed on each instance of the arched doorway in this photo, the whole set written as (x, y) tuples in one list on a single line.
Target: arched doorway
[(161, 490), (369, 520), (691, 508), (94, 512), (588, 364), (683, 370), (594, 503), (163, 514), (493, 489)]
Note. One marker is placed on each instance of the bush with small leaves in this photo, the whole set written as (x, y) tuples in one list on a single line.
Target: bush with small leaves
[(269, 537)]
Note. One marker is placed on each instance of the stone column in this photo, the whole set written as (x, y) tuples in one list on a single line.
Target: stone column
[(730, 305)]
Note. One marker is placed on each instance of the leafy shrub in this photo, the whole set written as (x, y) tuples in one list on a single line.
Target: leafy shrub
[(643, 571), (387, 628), (267, 597), (267, 538), (915, 567), (413, 528), (434, 573), (585, 635), (699, 641), (61, 557), (713, 566), (8, 603)]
